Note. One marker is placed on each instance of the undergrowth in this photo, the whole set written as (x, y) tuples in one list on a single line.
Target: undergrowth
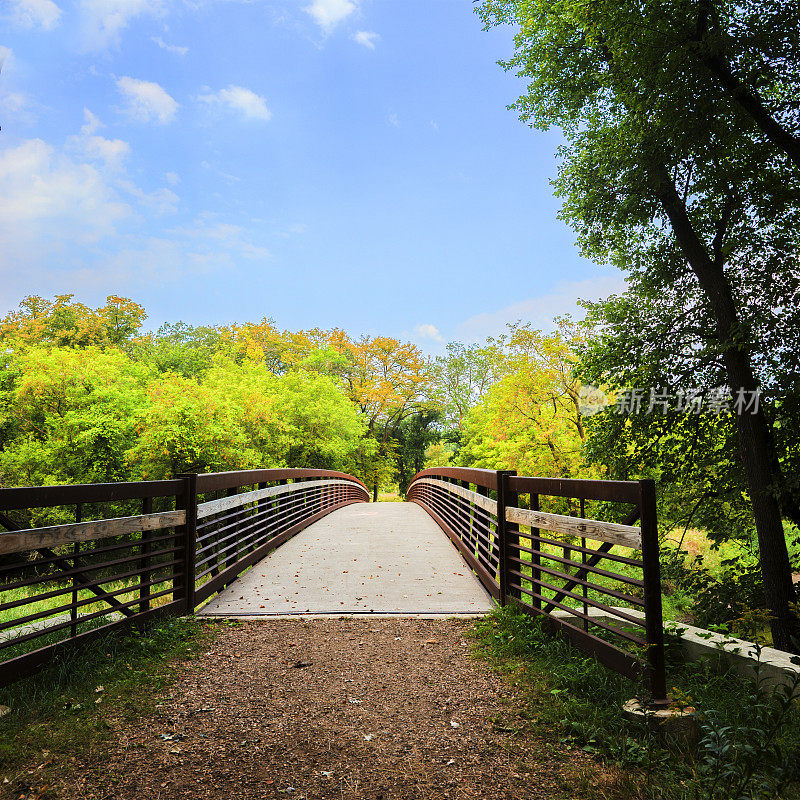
[(67, 710), (748, 741)]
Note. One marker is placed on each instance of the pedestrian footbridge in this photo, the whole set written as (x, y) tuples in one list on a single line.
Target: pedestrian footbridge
[(80, 562)]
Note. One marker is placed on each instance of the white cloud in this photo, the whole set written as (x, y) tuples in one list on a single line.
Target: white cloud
[(226, 176), (152, 261), (329, 13), (15, 102), (35, 13), (210, 234), (91, 123), (6, 54), (72, 221), (541, 310), (111, 152), (254, 252), (147, 100), (104, 20), (17, 105), (161, 201), (172, 178), (366, 38), (206, 227), (393, 120), (245, 101), (50, 199), (428, 331), (170, 48)]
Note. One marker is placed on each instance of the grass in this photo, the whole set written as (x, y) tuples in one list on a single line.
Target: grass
[(125, 591), (576, 703), (390, 497), (68, 709)]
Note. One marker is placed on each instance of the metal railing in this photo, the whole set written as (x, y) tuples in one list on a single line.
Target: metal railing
[(527, 540), (79, 561)]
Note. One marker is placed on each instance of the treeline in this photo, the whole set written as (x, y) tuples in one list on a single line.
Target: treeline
[(87, 395)]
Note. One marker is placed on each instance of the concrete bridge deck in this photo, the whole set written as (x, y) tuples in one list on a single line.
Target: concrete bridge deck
[(374, 559)]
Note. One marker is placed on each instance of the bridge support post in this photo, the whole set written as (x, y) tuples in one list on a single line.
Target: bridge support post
[(187, 501), (654, 624), (507, 533)]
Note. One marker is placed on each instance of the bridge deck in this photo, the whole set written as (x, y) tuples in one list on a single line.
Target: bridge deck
[(382, 558)]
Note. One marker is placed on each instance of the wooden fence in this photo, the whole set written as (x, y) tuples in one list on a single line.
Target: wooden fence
[(78, 561)]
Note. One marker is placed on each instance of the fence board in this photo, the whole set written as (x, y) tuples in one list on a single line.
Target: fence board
[(611, 532), (55, 535)]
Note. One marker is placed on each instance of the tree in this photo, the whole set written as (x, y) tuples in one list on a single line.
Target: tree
[(530, 419), (263, 342), (681, 166), (461, 378), (241, 416), (414, 435), (179, 348), (387, 380), (69, 415), (65, 323)]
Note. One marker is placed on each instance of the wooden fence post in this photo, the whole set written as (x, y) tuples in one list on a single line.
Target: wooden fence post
[(654, 624), (505, 531), (187, 501)]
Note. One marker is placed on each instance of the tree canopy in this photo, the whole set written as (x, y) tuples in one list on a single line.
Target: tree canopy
[(681, 166)]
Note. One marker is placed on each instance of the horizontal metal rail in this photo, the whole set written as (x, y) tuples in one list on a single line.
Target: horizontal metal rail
[(235, 501), (55, 535)]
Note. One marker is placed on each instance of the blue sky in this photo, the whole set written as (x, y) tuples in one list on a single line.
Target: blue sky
[(344, 163)]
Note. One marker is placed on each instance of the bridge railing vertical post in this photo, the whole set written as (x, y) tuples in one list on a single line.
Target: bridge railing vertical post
[(279, 507), (187, 533), (536, 558), (506, 531), (654, 624)]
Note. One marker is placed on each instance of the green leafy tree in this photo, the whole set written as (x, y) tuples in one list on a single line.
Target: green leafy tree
[(179, 348), (413, 436), (64, 322), (530, 419), (69, 415), (460, 380), (681, 165)]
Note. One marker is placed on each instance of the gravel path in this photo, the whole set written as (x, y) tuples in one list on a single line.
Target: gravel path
[(326, 708)]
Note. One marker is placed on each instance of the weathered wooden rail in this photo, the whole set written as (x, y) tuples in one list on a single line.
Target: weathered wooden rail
[(527, 539), (132, 551)]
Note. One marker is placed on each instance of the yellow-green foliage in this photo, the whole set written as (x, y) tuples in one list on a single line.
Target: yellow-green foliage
[(96, 415), (530, 418)]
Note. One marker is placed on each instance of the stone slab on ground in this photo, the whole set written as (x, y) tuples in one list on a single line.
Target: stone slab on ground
[(381, 558)]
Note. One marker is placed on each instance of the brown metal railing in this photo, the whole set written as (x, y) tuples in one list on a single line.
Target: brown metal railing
[(527, 539), (244, 515), (119, 554)]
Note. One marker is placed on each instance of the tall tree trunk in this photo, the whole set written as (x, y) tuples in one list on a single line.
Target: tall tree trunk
[(755, 441), (375, 491)]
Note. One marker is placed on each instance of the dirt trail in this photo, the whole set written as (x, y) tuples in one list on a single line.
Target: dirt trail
[(326, 708)]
